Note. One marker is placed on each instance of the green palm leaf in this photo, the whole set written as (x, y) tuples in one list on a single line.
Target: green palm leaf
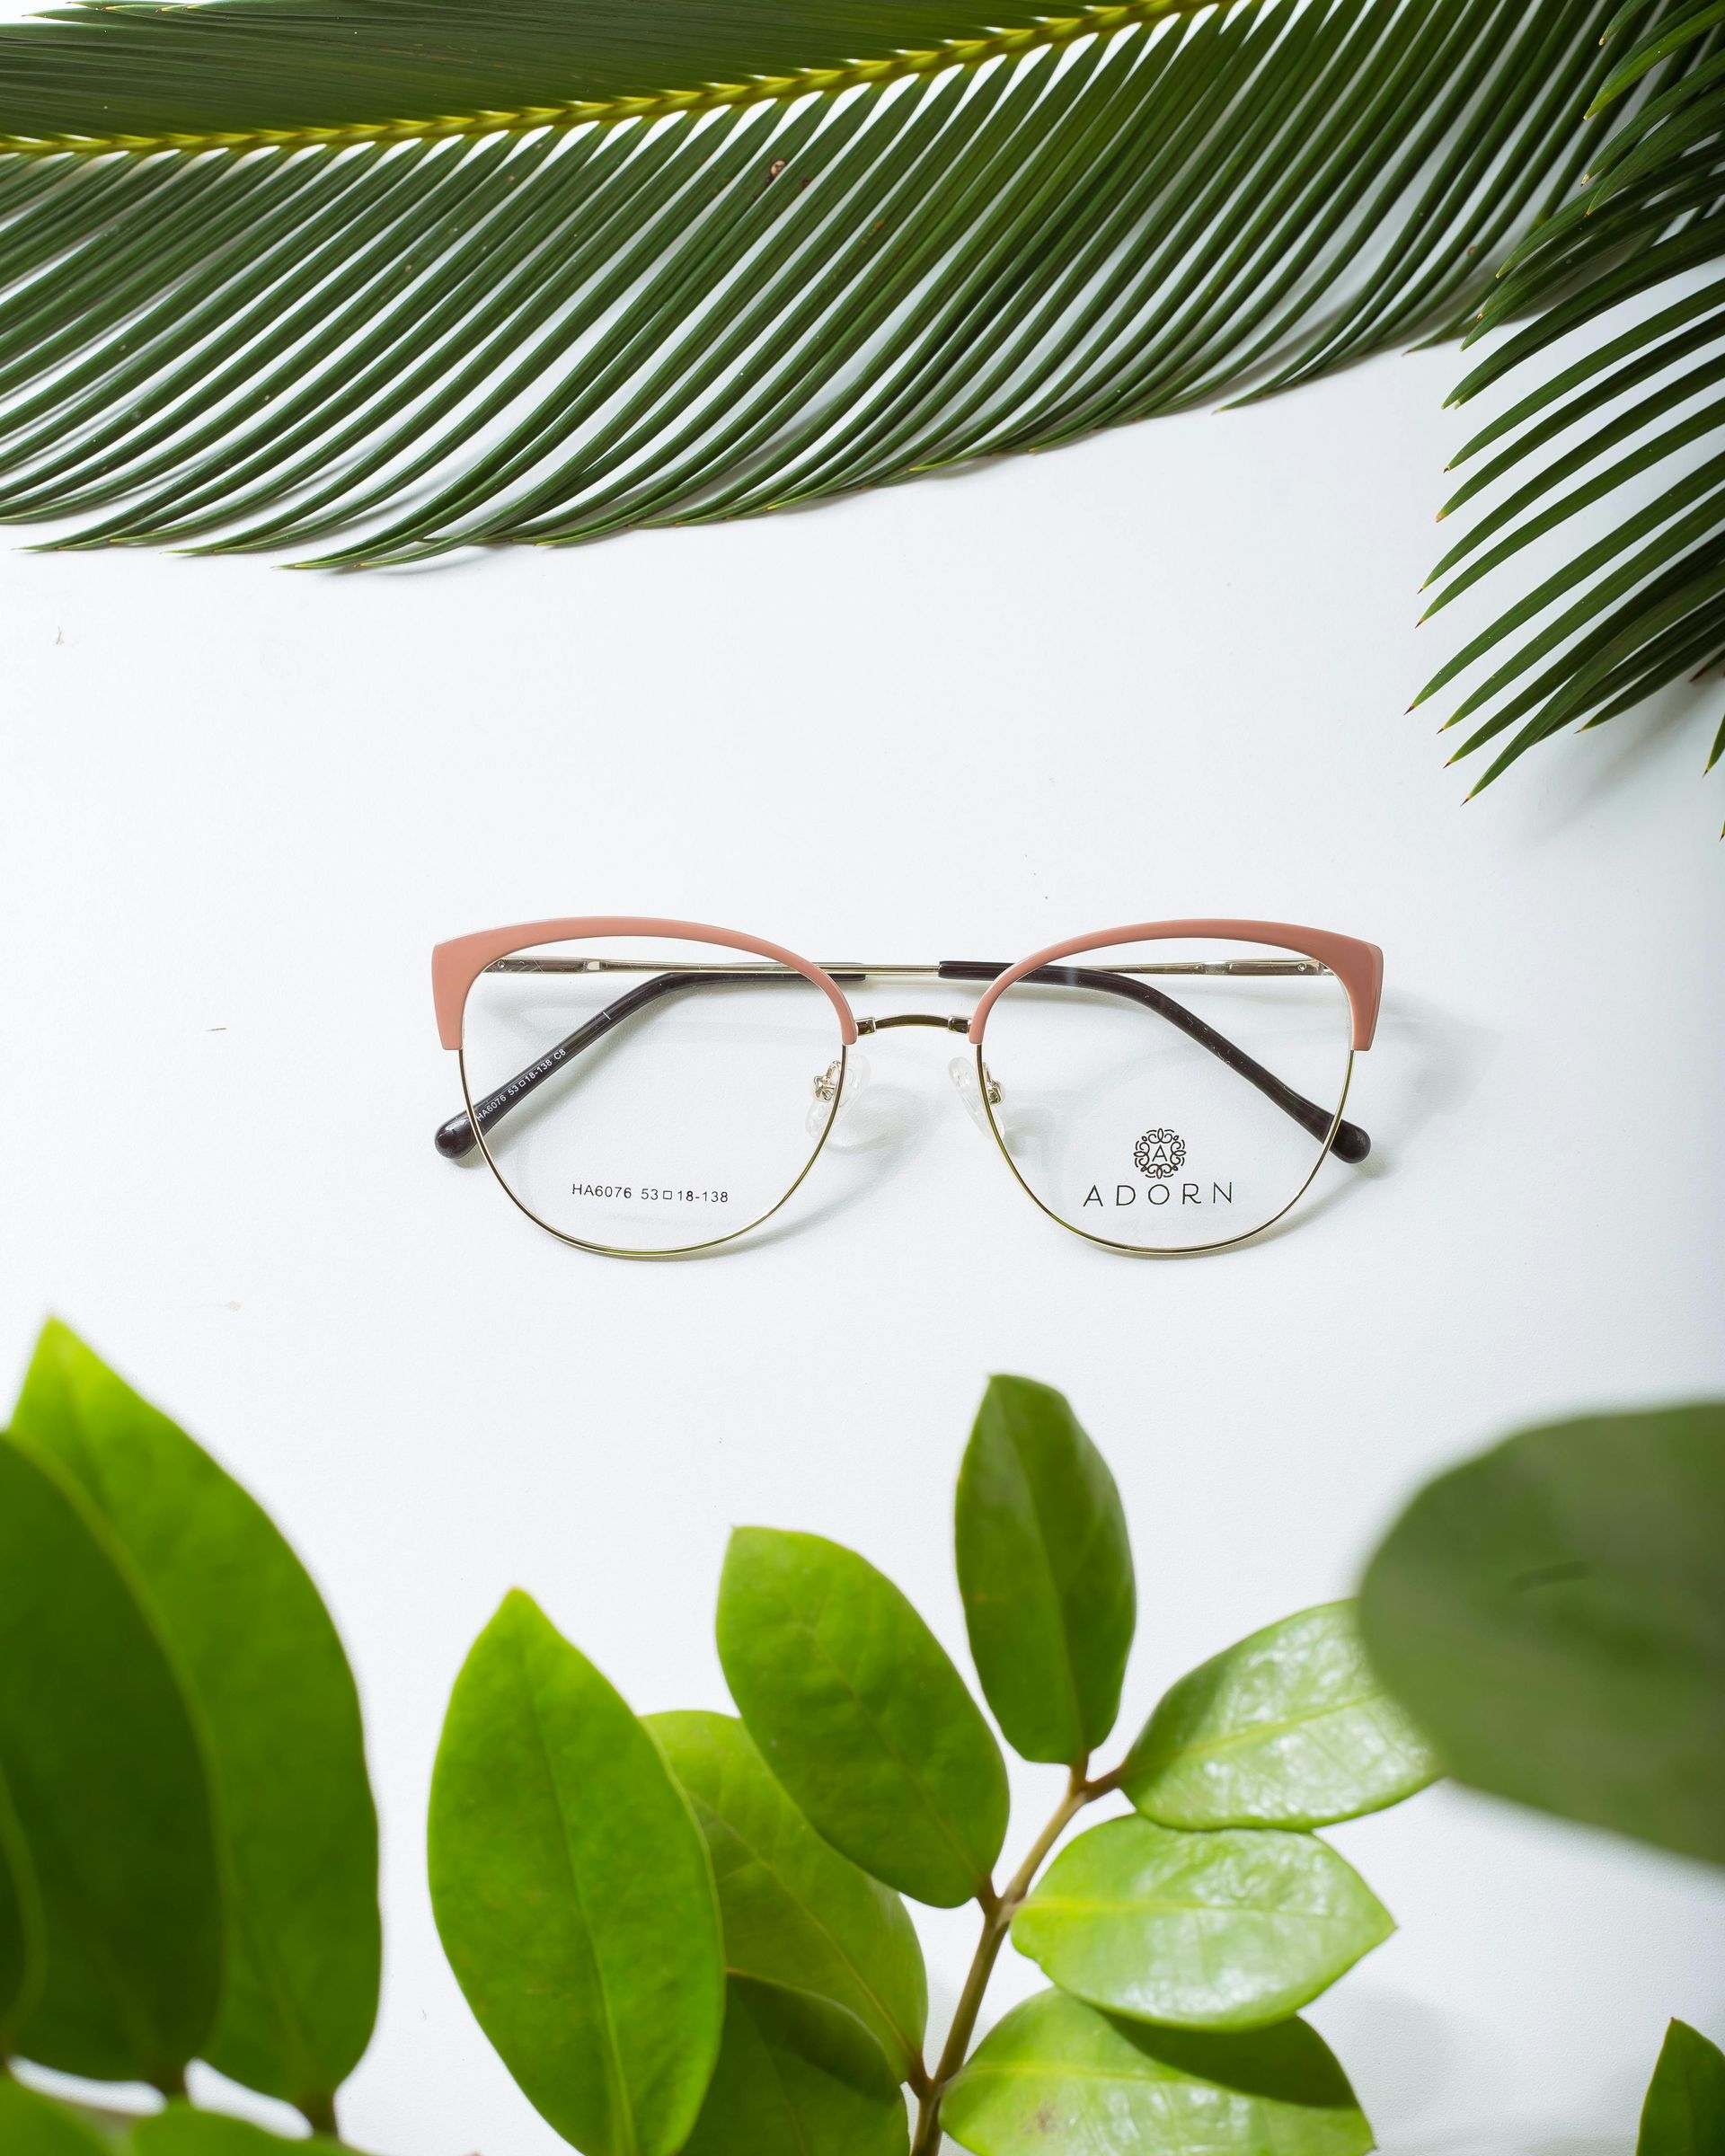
[(416, 274), (1644, 605)]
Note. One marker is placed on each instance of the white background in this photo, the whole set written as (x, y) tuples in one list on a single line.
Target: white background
[(1161, 673)]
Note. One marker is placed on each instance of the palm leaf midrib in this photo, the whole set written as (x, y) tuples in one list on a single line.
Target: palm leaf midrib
[(355, 73)]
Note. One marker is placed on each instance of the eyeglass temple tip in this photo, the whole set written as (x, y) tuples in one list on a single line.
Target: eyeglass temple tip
[(456, 1139)]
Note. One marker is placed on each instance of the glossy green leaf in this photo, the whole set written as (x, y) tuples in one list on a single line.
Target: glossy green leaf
[(1684, 2111), (1289, 1727), (31, 2124), (1226, 1929), (795, 1913), (21, 1928), (858, 1712), (1046, 1570), (1056, 2075), (565, 271), (1553, 1614), (277, 1710), (181, 2131), (798, 2077), (573, 1893), (108, 1780)]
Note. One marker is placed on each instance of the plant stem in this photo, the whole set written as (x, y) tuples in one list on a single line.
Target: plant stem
[(997, 1914), (319, 2113)]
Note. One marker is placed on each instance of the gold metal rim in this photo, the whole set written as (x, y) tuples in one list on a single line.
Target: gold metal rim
[(871, 1025), (686, 1249)]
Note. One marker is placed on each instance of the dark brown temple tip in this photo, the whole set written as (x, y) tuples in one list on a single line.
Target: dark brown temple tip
[(455, 1139)]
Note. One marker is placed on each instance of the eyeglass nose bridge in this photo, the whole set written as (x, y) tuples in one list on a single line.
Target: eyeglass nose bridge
[(912, 1018), (959, 1070)]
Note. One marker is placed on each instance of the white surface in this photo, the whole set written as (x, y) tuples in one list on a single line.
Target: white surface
[(1160, 673)]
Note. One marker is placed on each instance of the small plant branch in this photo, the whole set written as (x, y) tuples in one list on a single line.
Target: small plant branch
[(998, 1911), (319, 2113)]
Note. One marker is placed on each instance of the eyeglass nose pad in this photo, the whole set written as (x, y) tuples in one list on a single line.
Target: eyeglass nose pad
[(963, 1074), (855, 1072)]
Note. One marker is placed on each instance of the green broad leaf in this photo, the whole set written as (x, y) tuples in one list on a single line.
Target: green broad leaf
[(1684, 2111), (1289, 1727), (798, 2077), (21, 1928), (1226, 1929), (181, 2131), (795, 1912), (31, 2124), (109, 1782), (859, 1712), (573, 1893), (1044, 1567), (277, 1707), (1553, 1613), (1056, 2075)]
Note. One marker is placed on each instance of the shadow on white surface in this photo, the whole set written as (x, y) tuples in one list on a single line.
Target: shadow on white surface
[(1437, 1059), (1433, 1061), (876, 1138), (1675, 727)]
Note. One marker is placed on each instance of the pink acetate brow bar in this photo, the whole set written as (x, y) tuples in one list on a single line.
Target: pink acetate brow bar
[(1359, 967), (457, 965)]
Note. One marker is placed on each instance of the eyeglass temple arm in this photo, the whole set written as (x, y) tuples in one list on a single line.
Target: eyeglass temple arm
[(456, 1138), (1350, 1144)]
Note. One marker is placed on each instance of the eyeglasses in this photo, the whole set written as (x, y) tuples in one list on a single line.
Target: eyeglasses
[(648, 1089)]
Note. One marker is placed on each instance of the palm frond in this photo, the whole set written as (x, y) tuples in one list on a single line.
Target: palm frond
[(1643, 410), (417, 274)]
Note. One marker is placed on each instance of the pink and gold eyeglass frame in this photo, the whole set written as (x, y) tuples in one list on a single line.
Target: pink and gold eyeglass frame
[(1359, 966)]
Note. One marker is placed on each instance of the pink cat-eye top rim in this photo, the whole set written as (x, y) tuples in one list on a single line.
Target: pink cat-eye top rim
[(457, 965), (1359, 967)]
